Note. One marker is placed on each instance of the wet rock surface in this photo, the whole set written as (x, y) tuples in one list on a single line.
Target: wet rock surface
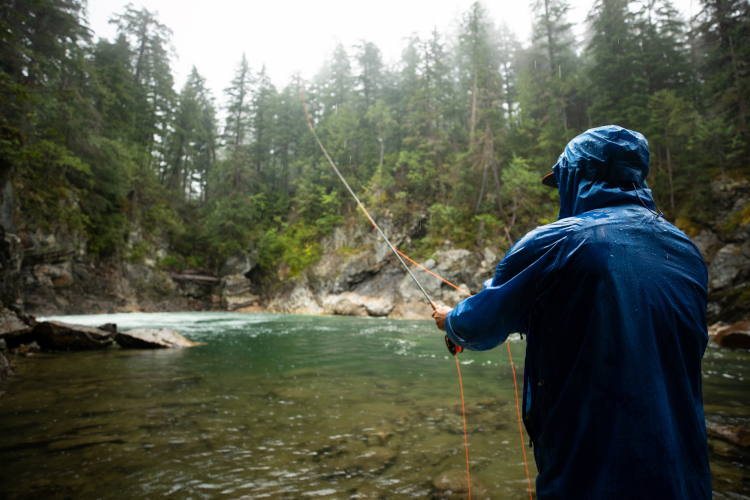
[(6, 369), (58, 336), (734, 434), (724, 243), (146, 338), (369, 281), (13, 330), (454, 485), (736, 336)]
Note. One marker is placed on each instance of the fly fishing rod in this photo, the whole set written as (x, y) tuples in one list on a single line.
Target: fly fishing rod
[(362, 207)]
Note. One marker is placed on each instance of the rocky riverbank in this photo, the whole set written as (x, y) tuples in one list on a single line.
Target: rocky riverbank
[(357, 275)]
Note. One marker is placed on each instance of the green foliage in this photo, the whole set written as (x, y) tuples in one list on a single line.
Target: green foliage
[(95, 137), (139, 252)]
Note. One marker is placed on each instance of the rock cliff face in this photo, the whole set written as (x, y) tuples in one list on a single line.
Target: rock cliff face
[(725, 246), (59, 277), (13, 323), (360, 276)]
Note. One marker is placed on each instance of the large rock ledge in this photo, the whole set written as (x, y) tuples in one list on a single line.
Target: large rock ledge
[(58, 336), (145, 338), (372, 283)]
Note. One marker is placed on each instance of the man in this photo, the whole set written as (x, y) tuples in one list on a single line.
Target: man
[(613, 299)]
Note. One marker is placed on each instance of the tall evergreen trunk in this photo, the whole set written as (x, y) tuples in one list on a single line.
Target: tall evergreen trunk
[(473, 108), (669, 171), (484, 182), (480, 233), (491, 149), (550, 50), (740, 97)]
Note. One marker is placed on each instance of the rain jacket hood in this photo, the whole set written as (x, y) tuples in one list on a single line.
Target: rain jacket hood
[(601, 166), (612, 298)]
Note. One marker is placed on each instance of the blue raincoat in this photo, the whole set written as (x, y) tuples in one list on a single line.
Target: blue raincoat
[(613, 299)]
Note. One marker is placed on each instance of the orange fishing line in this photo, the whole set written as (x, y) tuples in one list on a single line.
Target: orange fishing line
[(435, 275), (518, 409), (466, 440)]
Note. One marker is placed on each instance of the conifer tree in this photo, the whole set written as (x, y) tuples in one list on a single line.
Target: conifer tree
[(239, 102), (723, 61)]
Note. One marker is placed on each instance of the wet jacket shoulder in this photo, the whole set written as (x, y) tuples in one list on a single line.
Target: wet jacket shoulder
[(485, 320)]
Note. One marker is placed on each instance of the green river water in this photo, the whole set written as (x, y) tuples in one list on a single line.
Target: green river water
[(288, 407)]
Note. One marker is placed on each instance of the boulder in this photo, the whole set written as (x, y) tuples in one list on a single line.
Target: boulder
[(58, 336), (708, 244), (146, 338), (295, 298), (375, 459), (728, 265), (453, 485), (354, 304), (344, 304), (716, 328), (238, 264), (11, 257), (235, 292), (736, 435), (235, 302), (6, 370), (235, 284), (736, 336), (13, 329), (452, 297), (109, 327)]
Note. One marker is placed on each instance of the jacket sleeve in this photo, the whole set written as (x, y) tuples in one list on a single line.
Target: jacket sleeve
[(485, 320)]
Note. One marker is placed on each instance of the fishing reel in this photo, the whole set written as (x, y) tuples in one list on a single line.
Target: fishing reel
[(453, 348)]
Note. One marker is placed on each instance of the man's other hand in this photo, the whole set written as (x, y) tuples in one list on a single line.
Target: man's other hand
[(439, 314)]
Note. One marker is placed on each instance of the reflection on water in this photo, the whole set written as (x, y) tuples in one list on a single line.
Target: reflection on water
[(287, 407)]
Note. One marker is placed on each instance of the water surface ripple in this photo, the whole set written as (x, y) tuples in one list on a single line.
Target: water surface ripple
[(287, 407)]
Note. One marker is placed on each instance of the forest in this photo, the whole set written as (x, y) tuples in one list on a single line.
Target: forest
[(95, 137)]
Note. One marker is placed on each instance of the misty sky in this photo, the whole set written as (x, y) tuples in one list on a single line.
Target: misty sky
[(292, 36)]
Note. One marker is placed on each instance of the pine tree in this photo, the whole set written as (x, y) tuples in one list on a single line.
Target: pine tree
[(723, 46), (238, 105), (670, 125), (369, 80), (151, 50), (615, 74)]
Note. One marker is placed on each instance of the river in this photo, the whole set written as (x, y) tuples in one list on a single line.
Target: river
[(281, 406)]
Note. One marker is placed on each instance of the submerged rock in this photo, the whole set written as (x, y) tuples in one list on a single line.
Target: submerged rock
[(736, 336), (58, 336), (26, 350), (368, 492), (146, 338), (453, 485), (736, 435), (375, 459)]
